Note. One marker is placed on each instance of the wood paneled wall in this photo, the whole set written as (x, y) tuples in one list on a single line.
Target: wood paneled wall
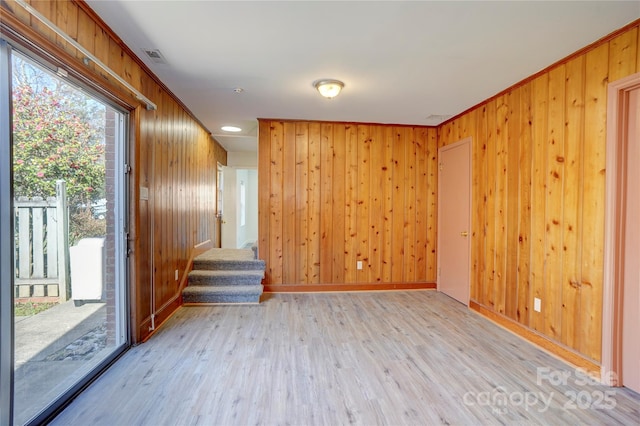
[(332, 194), (172, 154), (538, 193)]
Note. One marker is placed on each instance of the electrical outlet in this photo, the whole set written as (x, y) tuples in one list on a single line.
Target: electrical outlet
[(177, 273), (359, 264), (537, 304)]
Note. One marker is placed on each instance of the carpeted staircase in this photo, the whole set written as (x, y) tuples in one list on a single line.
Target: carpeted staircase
[(225, 276)]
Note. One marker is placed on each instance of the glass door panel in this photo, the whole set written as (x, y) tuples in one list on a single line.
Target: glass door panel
[(69, 233)]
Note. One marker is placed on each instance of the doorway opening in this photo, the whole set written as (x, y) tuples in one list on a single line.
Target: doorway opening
[(239, 207)]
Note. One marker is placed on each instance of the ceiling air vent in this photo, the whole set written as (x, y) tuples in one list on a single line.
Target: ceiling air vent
[(155, 55)]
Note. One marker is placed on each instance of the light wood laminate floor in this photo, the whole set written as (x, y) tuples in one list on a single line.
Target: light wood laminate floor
[(395, 358)]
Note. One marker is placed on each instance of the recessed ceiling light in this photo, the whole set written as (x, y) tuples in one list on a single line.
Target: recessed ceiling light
[(231, 129)]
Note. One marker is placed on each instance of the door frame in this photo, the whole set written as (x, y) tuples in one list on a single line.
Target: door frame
[(614, 251), (465, 141)]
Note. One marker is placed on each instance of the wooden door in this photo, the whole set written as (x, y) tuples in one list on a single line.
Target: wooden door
[(631, 288), (621, 291), (454, 213)]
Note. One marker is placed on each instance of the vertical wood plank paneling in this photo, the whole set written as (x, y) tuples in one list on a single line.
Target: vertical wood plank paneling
[(432, 200), (289, 178), (501, 198), (86, 34), (525, 143), (102, 52), (264, 195), (540, 101), (351, 204), (387, 189), (302, 203), (572, 198), (338, 203), (66, 16), (364, 195), (422, 211), (479, 206), (397, 243), (171, 124), (551, 303), (19, 12), (514, 168), (314, 209), (597, 69), (638, 51), (276, 201), (116, 60), (326, 253), (637, 48), (160, 193), (48, 9), (376, 204), (623, 55), (490, 223), (410, 206), (348, 192)]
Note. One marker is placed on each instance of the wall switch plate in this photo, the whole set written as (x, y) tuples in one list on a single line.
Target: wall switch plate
[(177, 274), (537, 304), (359, 264)]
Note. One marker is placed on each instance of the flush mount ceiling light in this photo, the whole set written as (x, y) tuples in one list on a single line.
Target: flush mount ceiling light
[(231, 129), (328, 88)]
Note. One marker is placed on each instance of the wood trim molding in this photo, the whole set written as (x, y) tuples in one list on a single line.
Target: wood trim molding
[(353, 123), (322, 288), (614, 252), (566, 354), (562, 61)]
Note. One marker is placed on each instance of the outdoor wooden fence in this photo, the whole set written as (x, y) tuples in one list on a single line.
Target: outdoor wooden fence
[(42, 246)]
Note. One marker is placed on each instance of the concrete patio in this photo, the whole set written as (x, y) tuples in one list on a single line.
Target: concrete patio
[(53, 349)]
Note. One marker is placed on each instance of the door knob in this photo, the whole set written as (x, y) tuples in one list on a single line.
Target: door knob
[(464, 233)]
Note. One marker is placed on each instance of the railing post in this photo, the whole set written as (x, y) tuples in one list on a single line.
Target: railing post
[(62, 216)]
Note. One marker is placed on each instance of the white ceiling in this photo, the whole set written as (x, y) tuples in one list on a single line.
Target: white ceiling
[(401, 61)]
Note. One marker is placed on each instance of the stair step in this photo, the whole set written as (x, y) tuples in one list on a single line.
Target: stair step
[(225, 276), (228, 259), (230, 278), (222, 294), (228, 264)]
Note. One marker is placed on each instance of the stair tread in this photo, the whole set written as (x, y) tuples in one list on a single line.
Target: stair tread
[(233, 255), (228, 289), (228, 273), (229, 265)]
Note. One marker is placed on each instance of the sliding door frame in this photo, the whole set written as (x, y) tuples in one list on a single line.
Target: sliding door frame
[(122, 178), (6, 239)]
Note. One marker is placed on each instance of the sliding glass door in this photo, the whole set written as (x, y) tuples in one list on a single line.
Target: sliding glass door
[(66, 237)]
